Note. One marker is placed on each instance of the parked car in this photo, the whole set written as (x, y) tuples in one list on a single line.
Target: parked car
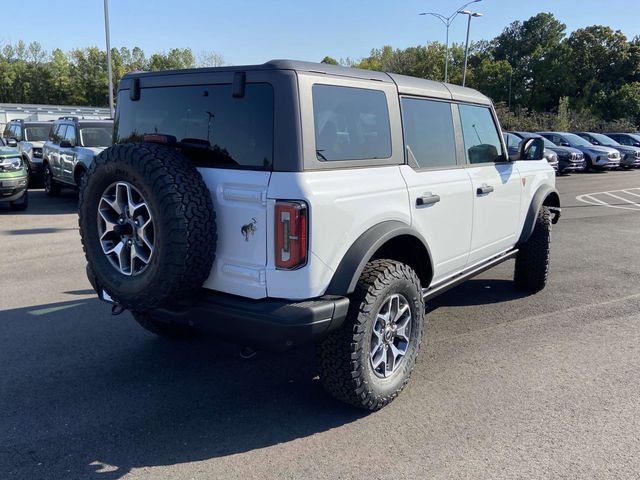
[(513, 140), (28, 137), (230, 203), (13, 179), (70, 150), (628, 139), (569, 159), (597, 157), (629, 155)]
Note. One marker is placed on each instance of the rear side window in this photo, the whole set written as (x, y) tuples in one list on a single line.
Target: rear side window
[(36, 134), (481, 138), (213, 128), (428, 133), (350, 123)]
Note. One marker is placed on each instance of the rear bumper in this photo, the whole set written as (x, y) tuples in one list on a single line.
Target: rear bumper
[(269, 324)]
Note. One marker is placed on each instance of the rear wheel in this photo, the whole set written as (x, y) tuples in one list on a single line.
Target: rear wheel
[(532, 261), (51, 187), (369, 359)]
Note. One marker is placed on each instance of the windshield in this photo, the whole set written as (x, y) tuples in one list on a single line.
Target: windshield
[(36, 134), (96, 136), (604, 140), (574, 139)]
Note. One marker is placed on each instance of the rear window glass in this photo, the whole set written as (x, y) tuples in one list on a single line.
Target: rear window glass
[(36, 134), (96, 136), (213, 127), (350, 123)]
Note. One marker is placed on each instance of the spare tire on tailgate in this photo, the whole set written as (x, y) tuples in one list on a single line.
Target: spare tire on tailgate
[(147, 225)]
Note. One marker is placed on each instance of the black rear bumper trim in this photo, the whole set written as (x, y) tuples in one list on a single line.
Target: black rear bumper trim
[(269, 324)]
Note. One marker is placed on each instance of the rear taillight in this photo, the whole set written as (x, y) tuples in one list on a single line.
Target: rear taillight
[(291, 227)]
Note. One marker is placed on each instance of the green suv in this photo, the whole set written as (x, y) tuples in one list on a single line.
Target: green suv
[(13, 179)]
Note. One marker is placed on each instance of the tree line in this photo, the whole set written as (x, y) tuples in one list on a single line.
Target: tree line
[(30, 74), (538, 76)]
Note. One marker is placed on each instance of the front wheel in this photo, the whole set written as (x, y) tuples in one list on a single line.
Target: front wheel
[(368, 361), (532, 261), (51, 187)]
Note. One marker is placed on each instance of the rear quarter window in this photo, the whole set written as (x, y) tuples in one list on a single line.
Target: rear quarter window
[(212, 127), (350, 123)]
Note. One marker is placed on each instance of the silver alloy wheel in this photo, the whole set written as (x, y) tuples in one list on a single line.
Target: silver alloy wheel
[(390, 335), (125, 227)]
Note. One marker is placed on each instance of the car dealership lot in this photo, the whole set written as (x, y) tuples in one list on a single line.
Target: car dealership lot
[(507, 386)]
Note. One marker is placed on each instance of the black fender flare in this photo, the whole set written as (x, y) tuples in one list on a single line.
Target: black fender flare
[(362, 250), (545, 195)]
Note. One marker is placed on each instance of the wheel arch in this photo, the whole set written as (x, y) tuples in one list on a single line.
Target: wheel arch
[(546, 196), (77, 170), (391, 239)]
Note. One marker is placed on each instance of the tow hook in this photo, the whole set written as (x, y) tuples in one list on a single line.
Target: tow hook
[(556, 214), (117, 309)]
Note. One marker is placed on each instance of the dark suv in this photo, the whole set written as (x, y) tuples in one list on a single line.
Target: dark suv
[(73, 144), (28, 137)]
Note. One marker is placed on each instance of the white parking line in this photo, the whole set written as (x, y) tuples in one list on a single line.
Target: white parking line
[(628, 204)]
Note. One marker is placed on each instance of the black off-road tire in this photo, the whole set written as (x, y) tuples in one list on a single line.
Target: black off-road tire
[(184, 225), (51, 187), (343, 356), (22, 204), (163, 329), (532, 260)]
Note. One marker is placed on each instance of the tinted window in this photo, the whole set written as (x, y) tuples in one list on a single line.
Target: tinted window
[(36, 134), (96, 136), (7, 131), (17, 131), (214, 128), (512, 141), (70, 135), (350, 123), (481, 138), (428, 132)]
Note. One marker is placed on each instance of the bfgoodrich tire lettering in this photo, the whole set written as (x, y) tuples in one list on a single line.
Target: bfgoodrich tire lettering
[(532, 260), (184, 224), (344, 362)]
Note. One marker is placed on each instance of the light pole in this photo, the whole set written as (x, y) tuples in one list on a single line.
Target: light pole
[(447, 23), (466, 48), (109, 72)]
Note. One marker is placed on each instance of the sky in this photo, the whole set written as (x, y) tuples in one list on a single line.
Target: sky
[(251, 31)]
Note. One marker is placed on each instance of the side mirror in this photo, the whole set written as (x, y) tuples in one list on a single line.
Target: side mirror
[(12, 142), (529, 149), (564, 144), (66, 144)]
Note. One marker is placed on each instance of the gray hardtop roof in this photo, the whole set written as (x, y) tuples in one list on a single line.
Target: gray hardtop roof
[(405, 84)]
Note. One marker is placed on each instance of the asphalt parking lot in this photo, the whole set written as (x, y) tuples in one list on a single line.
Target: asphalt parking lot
[(507, 386)]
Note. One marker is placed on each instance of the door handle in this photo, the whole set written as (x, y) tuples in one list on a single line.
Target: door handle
[(484, 189), (428, 199)]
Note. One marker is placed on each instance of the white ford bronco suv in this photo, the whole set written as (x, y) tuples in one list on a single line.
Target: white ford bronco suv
[(292, 202)]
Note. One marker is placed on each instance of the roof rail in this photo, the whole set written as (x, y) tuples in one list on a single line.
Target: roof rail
[(73, 119)]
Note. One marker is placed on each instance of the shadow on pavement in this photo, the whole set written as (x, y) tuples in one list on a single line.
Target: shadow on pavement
[(42, 204), (477, 291), (89, 395)]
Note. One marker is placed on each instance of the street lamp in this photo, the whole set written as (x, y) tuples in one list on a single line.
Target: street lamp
[(109, 72), (447, 23), (466, 48)]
